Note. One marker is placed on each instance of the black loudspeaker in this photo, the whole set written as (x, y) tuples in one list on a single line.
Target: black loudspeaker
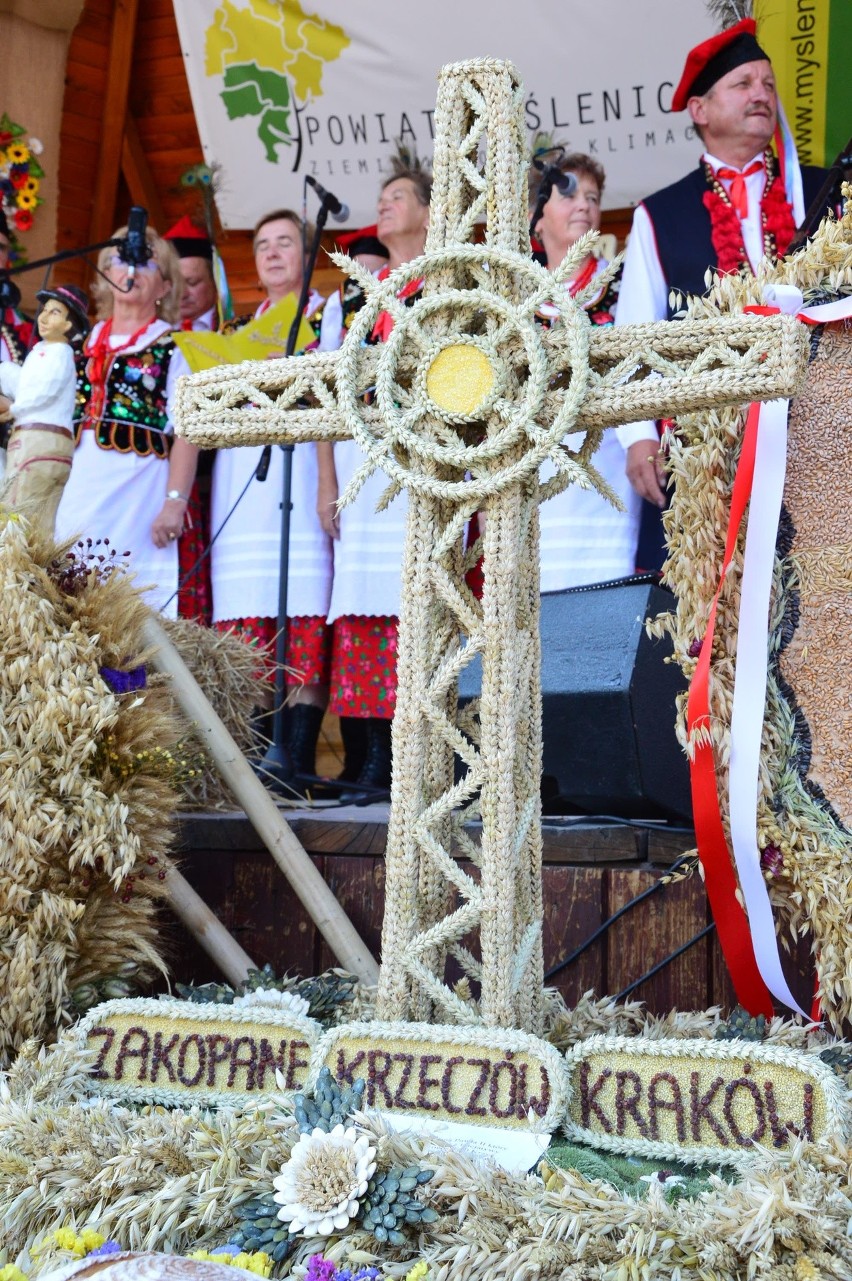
[(608, 700)]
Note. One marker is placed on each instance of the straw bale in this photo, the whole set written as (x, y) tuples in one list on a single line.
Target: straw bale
[(172, 1180), (85, 821), (226, 668)]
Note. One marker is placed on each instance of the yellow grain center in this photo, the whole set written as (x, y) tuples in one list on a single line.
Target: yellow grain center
[(459, 379)]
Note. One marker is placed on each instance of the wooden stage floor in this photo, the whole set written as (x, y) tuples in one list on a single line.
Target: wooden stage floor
[(590, 871)]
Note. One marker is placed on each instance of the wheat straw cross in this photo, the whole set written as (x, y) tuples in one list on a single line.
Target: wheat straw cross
[(471, 396)]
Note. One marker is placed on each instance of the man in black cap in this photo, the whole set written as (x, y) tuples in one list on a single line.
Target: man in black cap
[(725, 215), (199, 298), (43, 392), (15, 330)]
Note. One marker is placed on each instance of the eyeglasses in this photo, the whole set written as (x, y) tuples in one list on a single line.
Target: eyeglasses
[(115, 261)]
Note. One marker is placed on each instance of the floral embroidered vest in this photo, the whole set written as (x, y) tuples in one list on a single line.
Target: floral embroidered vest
[(134, 416)]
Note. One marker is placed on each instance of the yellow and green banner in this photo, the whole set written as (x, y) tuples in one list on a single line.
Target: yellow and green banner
[(810, 45)]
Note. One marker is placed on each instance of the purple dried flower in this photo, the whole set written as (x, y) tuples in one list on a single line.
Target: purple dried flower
[(319, 1269), (695, 648), (123, 682), (108, 1247), (772, 860)]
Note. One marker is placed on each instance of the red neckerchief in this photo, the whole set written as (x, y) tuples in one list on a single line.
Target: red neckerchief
[(738, 191), (100, 357), (726, 230), (384, 322)]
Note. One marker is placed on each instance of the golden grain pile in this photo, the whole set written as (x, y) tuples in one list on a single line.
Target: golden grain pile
[(173, 1180)]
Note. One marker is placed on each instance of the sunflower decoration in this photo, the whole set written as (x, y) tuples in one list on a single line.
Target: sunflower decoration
[(20, 180)]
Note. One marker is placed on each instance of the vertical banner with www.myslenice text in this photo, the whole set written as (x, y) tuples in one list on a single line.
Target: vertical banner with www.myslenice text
[(280, 92), (810, 44)]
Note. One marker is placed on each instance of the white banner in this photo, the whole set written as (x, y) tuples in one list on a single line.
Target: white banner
[(280, 92)]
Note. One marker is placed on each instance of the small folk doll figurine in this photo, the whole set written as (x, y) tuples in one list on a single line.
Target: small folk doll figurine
[(38, 397)]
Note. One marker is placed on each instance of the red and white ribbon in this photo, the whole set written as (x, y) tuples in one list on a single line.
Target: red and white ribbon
[(748, 936)]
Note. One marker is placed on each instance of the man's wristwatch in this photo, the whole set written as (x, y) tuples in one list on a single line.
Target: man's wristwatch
[(175, 494)]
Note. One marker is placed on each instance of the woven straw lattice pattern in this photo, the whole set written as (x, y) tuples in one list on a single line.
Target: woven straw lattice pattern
[(475, 442), (261, 401)]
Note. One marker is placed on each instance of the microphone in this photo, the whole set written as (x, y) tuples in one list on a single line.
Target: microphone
[(134, 248), (261, 471), (565, 183), (338, 211)]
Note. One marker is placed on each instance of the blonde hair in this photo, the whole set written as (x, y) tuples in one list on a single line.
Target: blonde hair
[(166, 259)]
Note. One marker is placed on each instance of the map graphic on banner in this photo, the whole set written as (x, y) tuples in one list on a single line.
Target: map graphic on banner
[(270, 57), (280, 92)]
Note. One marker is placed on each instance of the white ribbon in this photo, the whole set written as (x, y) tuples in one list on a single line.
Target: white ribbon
[(752, 660)]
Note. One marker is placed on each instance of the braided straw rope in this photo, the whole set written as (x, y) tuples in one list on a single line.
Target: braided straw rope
[(475, 441)]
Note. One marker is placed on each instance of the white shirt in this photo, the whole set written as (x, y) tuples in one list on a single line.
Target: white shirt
[(644, 293), (207, 321), (43, 389)]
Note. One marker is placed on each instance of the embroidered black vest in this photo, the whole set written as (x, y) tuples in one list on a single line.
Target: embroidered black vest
[(134, 417), (16, 332), (682, 228)]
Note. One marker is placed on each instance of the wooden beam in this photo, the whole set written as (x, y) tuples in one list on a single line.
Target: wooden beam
[(138, 176), (113, 116), (316, 896)]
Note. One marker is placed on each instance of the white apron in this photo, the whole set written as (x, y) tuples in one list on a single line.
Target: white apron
[(245, 558), (118, 496)]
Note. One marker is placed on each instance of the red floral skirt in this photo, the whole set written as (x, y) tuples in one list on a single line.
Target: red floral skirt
[(195, 599), (308, 646), (363, 666)]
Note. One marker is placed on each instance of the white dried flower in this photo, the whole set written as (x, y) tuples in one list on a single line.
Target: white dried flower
[(320, 1187), (287, 1002), (662, 1178), (36, 146)]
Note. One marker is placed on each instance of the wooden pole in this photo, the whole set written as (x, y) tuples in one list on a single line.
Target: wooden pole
[(318, 900), (119, 67), (205, 927)]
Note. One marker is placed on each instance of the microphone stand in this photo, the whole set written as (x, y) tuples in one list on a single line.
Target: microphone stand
[(10, 295), (828, 194), (276, 766)]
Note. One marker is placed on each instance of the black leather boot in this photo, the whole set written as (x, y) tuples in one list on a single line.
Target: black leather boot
[(373, 783), (355, 736), (305, 721)]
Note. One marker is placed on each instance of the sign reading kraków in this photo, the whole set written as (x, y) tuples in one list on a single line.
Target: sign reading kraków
[(703, 1101)]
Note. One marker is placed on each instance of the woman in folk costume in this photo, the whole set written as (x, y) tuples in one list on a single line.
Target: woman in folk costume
[(584, 538), (365, 598), (131, 479), (245, 558)]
